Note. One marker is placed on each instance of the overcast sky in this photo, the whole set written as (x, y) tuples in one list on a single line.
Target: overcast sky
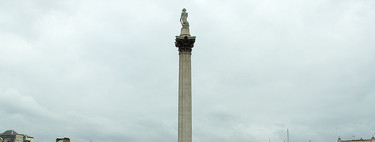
[(108, 70)]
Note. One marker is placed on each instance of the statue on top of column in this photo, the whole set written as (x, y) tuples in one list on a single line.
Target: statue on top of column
[(183, 19)]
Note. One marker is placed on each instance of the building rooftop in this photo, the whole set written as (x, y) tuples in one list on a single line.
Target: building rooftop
[(357, 140), (9, 132)]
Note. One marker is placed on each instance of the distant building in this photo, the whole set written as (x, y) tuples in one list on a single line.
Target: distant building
[(27, 138), (13, 136), (360, 140), (65, 139)]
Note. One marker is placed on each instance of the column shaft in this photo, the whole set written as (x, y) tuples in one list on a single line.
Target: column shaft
[(184, 98)]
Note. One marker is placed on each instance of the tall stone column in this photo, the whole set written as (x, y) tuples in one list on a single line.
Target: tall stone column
[(184, 43)]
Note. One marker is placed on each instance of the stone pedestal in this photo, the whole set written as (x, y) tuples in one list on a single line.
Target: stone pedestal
[(185, 32), (184, 43)]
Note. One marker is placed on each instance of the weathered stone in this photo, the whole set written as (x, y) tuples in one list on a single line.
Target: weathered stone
[(184, 43)]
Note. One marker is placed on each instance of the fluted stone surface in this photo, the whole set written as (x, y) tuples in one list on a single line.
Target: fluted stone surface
[(184, 43), (184, 98)]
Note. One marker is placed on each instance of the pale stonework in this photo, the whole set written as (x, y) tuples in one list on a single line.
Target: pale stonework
[(184, 98), (358, 140), (185, 32), (184, 43)]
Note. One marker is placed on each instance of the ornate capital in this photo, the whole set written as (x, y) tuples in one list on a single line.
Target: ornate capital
[(185, 44)]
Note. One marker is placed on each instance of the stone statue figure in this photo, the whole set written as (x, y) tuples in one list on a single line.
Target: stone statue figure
[(183, 19)]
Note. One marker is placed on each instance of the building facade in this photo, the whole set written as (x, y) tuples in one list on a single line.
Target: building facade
[(2, 140), (359, 140), (28, 139), (13, 136), (65, 139)]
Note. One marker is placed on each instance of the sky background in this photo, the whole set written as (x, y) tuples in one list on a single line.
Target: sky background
[(108, 70)]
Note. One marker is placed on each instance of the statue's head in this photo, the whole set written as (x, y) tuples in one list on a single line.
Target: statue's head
[(184, 9)]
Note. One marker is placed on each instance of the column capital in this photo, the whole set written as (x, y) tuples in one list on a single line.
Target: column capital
[(185, 43)]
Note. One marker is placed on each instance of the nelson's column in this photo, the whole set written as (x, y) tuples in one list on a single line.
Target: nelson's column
[(184, 43)]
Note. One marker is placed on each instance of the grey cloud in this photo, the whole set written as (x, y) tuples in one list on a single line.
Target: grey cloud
[(107, 71)]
